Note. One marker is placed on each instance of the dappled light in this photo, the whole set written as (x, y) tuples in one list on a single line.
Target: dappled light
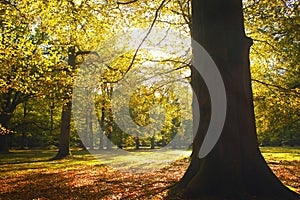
[(82, 177), (138, 99), (30, 175)]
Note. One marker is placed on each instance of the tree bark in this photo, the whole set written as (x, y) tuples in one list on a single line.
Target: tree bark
[(235, 168), (64, 139), (23, 138), (152, 146), (90, 128), (101, 132), (51, 117), (108, 140), (65, 129), (4, 144), (137, 142), (4, 120)]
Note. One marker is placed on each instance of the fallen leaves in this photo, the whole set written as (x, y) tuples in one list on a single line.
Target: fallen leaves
[(87, 182), (288, 172), (85, 178)]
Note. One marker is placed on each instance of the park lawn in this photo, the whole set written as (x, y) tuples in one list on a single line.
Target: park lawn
[(285, 163), (29, 174)]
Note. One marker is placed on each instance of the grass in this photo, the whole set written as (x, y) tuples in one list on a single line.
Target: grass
[(28, 174), (281, 154), (285, 163)]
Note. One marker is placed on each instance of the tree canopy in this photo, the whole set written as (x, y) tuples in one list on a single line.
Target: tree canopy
[(141, 51)]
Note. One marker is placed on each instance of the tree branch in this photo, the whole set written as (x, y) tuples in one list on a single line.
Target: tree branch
[(86, 53), (125, 3), (144, 39), (276, 86)]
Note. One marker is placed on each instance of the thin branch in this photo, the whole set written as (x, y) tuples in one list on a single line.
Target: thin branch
[(265, 41), (144, 39), (296, 86), (171, 23), (86, 53), (186, 17), (125, 3), (142, 42), (187, 64), (13, 5), (43, 128), (276, 86)]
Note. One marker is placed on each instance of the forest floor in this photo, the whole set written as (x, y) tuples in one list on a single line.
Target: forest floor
[(29, 174)]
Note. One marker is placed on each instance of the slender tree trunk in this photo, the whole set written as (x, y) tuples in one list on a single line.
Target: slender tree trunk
[(137, 142), (4, 144), (120, 137), (4, 120), (23, 139), (64, 139), (109, 127), (101, 143), (152, 146), (51, 118), (235, 168), (101, 132), (108, 141), (65, 129), (91, 131)]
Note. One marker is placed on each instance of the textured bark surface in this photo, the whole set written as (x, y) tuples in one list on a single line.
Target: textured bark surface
[(65, 129), (235, 168), (64, 139)]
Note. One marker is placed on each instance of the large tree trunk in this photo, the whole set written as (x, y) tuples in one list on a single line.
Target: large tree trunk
[(235, 168)]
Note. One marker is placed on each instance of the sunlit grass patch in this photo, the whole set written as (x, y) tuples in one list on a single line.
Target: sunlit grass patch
[(281, 153), (285, 163), (140, 161)]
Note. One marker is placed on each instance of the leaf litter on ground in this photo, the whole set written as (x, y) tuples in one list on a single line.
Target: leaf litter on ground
[(82, 177)]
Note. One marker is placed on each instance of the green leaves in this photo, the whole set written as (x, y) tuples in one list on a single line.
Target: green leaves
[(275, 67)]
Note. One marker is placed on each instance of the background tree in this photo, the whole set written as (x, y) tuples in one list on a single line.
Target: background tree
[(24, 68), (74, 28), (273, 25), (36, 124)]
